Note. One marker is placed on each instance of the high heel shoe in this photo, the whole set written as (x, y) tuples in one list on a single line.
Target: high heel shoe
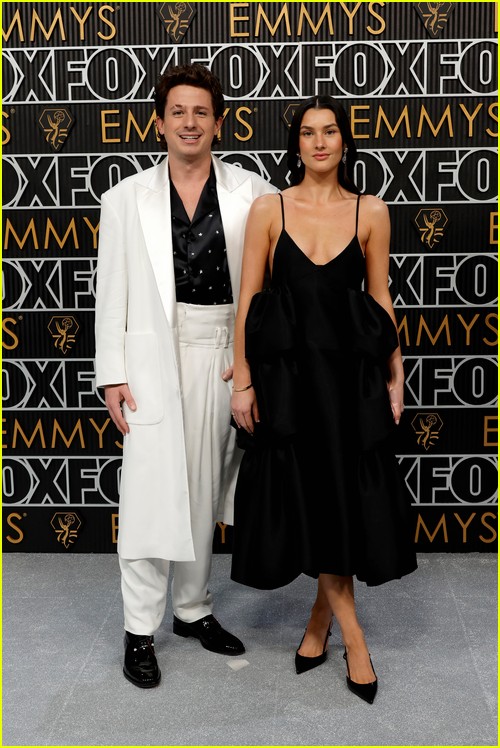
[(365, 691), (303, 664)]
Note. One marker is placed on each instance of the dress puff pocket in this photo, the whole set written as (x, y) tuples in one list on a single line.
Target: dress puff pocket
[(270, 336), (270, 324)]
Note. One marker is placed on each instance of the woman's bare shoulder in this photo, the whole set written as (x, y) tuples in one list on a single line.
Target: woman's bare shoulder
[(266, 202), (266, 206), (373, 206)]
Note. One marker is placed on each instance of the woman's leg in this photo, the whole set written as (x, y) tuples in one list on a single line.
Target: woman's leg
[(339, 592), (317, 627)]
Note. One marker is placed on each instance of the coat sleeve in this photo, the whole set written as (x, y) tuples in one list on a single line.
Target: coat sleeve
[(111, 298)]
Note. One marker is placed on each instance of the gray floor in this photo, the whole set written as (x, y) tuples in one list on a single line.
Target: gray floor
[(432, 637)]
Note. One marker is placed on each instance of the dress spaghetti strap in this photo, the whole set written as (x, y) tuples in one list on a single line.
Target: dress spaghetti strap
[(282, 212), (357, 214)]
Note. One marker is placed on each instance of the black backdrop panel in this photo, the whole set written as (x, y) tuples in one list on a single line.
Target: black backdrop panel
[(419, 81)]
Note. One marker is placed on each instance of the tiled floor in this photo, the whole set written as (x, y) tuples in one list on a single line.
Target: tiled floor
[(432, 637)]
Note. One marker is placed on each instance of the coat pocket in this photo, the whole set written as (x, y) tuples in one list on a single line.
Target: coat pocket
[(142, 363)]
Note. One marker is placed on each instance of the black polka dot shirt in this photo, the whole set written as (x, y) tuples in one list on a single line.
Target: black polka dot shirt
[(199, 246)]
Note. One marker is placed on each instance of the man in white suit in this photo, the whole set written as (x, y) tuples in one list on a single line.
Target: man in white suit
[(170, 246)]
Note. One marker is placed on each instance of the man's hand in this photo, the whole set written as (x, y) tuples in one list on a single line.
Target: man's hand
[(115, 394)]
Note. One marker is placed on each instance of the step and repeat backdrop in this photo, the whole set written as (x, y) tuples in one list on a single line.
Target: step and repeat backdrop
[(419, 82)]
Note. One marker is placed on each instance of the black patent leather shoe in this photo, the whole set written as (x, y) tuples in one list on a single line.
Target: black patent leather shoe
[(140, 666), (365, 691), (211, 635), (303, 664)]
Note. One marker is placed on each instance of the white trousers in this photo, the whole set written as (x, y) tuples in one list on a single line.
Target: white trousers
[(206, 350)]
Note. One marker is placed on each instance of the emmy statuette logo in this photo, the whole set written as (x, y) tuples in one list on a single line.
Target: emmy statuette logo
[(176, 17), (63, 330), (427, 427), (431, 223), (56, 124), (434, 16), (287, 115), (66, 526)]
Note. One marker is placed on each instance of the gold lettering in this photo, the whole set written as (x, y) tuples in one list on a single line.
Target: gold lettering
[(105, 20), (403, 116), (4, 432), (9, 229), (6, 329), (491, 316), (375, 32), (468, 328), (493, 531), (245, 124), (305, 15), (416, 336), (490, 427), (493, 112), (35, 19), (464, 527), (105, 125), (422, 325), (132, 121), (262, 15), (100, 431), (222, 531), (404, 326), (58, 430), (470, 117), (81, 20), (351, 15), (494, 227), (20, 533), (6, 136), (51, 230), (357, 120), (435, 130), (234, 19), (114, 528), (441, 523), (94, 230), (37, 430), (16, 21)]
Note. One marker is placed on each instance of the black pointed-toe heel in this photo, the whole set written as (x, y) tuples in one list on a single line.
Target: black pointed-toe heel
[(303, 664), (365, 691)]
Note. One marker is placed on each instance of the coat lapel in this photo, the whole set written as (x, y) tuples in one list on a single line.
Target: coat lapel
[(153, 202), (235, 197)]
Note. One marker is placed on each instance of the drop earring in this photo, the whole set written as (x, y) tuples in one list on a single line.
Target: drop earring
[(299, 161), (344, 156)]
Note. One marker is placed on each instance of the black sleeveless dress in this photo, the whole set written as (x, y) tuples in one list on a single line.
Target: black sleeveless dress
[(319, 490)]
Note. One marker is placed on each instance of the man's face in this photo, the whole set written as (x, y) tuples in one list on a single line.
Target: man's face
[(188, 123)]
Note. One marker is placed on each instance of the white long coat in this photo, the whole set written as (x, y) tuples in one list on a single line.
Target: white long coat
[(137, 343)]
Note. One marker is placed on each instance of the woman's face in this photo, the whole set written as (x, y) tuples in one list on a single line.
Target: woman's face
[(320, 140)]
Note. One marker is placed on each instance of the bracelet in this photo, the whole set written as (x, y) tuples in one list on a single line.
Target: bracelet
[(242, 389)]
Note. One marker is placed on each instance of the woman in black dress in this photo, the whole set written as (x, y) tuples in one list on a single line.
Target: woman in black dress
[(317, 392)]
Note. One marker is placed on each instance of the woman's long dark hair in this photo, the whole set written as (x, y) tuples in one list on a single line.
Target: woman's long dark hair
[(346, 171)]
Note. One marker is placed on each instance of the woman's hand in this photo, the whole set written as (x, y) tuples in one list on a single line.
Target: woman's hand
[(244, 409), (396, 394)]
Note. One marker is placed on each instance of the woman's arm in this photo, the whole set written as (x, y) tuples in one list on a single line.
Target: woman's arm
[(377, 285), (255, 259)]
